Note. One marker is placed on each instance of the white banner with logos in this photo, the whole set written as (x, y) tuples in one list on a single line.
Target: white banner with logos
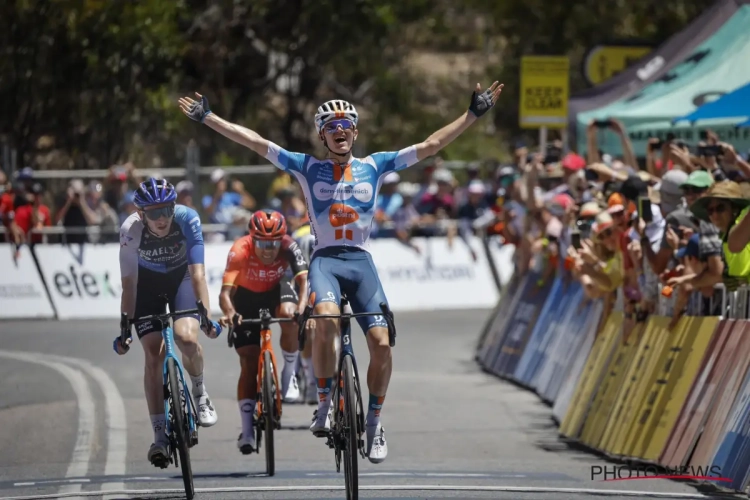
[(439, 277), (84, 280), (22, 293)]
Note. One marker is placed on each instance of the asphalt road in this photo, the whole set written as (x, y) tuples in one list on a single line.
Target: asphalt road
[(74, 419)]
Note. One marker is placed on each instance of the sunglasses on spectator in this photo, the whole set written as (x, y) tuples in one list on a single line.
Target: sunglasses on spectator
[(605, 234), (267, 244), (331, 126), (719, 209), (693, 190), (158, 213)]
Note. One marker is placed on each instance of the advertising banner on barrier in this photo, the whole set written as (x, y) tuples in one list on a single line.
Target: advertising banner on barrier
[(84, 280), (519, 327), (440, 277), (497, 328), (694, 411), (570, 320), (580, 353), (733, 453), (731, 384), (22, 293), (552, 307)]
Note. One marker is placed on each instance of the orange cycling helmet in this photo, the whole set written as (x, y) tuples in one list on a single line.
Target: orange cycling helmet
[(267, 225)]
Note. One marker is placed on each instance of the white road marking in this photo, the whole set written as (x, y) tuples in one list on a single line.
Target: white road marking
[(82, 451), (117, 427), (117, 431), (395, 487)]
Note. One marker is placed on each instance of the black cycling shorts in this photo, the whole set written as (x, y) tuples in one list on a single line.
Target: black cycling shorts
[(249, 304), (176, 285)]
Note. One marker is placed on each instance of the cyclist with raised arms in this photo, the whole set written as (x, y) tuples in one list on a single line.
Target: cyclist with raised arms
[(256, 278), (161, 253), (340, 192)]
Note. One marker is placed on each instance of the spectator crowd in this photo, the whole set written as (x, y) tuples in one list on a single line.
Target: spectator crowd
[(629, 234), (437, 204)]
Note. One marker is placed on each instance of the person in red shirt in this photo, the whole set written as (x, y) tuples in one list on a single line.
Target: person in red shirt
[(34, 215), (254, 279)]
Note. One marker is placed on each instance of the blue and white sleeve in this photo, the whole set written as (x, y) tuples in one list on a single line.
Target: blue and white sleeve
[(285, 160), (190, 224), (130, 240), (394, 161)]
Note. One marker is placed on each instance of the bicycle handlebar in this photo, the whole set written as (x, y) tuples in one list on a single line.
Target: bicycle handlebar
[(265, 320), (384, 311), (126, 324)]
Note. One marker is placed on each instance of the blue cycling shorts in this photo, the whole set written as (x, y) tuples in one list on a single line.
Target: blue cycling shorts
[(350, 270)]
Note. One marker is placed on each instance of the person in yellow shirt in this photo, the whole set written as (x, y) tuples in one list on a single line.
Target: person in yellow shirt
[(725, 207)]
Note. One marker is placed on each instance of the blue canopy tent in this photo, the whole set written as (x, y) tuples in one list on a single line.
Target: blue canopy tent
[(734, 105)]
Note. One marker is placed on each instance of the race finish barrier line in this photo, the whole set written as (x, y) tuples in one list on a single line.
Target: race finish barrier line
[(83, 281), (677, 398)]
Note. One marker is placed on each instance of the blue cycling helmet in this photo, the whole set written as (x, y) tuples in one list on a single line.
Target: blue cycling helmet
[(154, 192)]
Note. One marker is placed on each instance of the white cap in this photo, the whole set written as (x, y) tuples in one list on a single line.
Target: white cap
[(442, 175), (476, 187), (183, 186), (392, 178), (217, 175), (408, 189)]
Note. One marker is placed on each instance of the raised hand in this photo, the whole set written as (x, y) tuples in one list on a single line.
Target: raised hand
[(481, 102), (195, 110)]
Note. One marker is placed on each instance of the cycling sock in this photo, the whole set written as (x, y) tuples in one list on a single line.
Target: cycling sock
[(198, 387), (309, 372), (247, 408), (159, 424), (373, 411), (290, 364), (324, 391)]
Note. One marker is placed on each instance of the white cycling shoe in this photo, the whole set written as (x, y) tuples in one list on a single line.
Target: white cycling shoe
[(321, 423), (377, 448), (291, 395), (246, 445), (206, 412), (158, 455)]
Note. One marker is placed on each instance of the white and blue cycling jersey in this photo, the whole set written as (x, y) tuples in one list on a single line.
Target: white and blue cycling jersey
[(182, 246), (341, 199), (341, 202)]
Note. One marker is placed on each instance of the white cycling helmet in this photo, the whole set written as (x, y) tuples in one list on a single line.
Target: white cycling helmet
[(336, 108)]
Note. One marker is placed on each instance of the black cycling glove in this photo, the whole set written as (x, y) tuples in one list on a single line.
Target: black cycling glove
[(199, 110), (480, 103)]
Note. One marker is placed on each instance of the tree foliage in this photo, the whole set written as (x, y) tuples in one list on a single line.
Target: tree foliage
[(101, 78)]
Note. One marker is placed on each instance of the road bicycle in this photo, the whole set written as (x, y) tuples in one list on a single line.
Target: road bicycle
[(267, 416), (182, 421), (348, 420)]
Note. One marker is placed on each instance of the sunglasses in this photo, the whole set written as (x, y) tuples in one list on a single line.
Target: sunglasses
[(331, 126), (719, 209), (605, 234), (267, 244), (158, 213), (693, 190)]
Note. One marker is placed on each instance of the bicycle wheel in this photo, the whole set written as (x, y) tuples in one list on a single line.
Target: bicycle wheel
[(349, 432), (180, 429), (269, 407)]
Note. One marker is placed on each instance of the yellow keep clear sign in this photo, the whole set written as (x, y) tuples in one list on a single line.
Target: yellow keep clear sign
[(545, 88)]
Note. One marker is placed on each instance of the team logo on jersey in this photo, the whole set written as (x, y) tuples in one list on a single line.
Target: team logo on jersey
[(341, 215), (361, 192)]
